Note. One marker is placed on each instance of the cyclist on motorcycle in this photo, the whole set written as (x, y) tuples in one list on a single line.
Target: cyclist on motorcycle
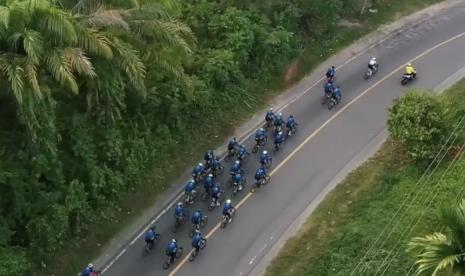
[(410, 70), (331, 73), (260, 135), (198, 171), (88, 270), (151, 235), (372, 64), (329, 86), (227, 209), (269, 117), (242, 152), (197, 218), (279, 138), (209, 156), (171, 250), (232, 144), (196, 240), (265, 158), (179, 211), (208, 183), (291, 123), (260, 174), (237, 178), (216, 193), (236, 168), (336, 95)]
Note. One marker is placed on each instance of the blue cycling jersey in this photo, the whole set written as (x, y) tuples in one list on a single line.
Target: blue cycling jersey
[(190, 186), (150, 235), (87, 271), (196, 240), (226, 208), (171, 248), (197, 217), (179, 211)]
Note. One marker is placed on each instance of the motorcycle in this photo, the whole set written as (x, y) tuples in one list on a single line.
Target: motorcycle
[(406, 79), (259, 183), (149, 246), (325, 98), (236, 185), (194, 253), (369, 73), (196, 227), (332, 103), (168, 263), (225, 220), (259, 143)]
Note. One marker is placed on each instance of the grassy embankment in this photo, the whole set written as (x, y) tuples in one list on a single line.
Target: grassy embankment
[(349, 220), (143, 196)]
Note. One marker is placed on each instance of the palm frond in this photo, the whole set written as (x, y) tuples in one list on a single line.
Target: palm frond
[(4, 16), (32, 77), (95, 42), (87, 6), (57, 22), (176, 71), (168, 34), (61, 70), (149, 11), (106, 19), (14, 74), (434, 253), (129, 61), (79, 62), (454, 219), (37, 4), (33, 44)]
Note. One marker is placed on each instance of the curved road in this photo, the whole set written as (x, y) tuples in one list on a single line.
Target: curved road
[(326, 143)]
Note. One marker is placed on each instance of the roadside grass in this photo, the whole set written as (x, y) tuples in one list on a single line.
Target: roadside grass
[(344, 226), (158, 179)]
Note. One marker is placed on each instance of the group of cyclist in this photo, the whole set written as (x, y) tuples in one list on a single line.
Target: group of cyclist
[(213, 167), (205, 173)]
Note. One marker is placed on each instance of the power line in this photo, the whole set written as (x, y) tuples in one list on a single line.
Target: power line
[(456, 133), (430, 198), (369, 251)]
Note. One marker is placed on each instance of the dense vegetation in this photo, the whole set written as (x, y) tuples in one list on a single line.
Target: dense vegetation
[(96, 92), (353, 231)]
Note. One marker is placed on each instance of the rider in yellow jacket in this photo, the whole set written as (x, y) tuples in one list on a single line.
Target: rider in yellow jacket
[(410, 70)]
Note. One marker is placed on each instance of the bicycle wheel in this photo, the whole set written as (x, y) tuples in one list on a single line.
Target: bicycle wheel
[(203, 243), (179, 252), (193, 255)]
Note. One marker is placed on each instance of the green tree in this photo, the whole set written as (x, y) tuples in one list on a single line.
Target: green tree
[(442, 252), (418, 120)]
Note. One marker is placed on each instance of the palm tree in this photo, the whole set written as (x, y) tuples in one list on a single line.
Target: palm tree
[(440, 252), (143, 32), (163, 41)]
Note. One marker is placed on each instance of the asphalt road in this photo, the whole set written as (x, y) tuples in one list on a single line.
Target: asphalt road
[(308, 161)]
